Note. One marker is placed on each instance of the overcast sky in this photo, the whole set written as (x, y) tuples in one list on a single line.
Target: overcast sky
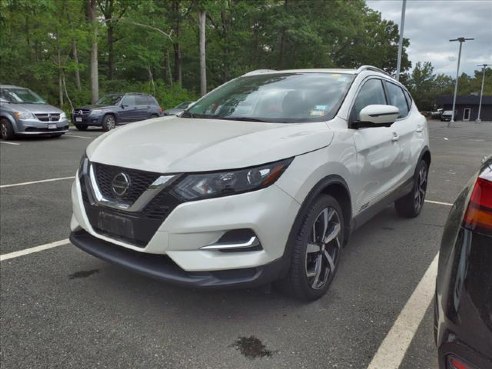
[(430, 24)]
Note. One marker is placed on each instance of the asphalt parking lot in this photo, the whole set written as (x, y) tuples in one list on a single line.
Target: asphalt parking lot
[(61, 308)]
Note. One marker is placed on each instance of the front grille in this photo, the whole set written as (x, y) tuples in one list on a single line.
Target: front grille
[(81, 112), (143, 224), (45, 117), (139, 182)]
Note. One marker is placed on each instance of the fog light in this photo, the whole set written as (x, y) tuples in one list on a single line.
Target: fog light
[(455, 363)]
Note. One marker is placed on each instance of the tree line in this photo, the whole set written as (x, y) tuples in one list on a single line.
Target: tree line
[(72, 51)]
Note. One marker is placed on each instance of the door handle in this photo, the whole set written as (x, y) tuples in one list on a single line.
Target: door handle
[(395, 137), (419, 129)]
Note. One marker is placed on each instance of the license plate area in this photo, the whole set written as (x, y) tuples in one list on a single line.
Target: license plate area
[(115, 225), (78, 119), (52, 126)]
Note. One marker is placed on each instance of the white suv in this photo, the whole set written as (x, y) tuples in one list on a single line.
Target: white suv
[(261, 180)]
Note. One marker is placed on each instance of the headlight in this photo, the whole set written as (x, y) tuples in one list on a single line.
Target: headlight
[(231, 182), (23, 115), (96, 111), (63, 116)]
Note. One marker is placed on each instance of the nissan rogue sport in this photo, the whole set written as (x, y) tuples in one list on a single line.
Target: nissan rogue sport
[(263, 179)]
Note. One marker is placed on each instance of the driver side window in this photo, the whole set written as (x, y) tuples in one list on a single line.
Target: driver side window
[(372, 92)]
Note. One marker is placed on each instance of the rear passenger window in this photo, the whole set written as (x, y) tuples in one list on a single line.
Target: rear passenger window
[(128, 100), (371, 93), (397, 98), (141, 100)]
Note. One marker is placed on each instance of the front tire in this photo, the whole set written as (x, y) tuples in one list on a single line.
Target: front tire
[(109, 122), (6, 129), (410, 206), (317, 249)]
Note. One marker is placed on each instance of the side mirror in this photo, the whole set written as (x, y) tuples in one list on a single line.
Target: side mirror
[(378, 115), (123, 106)]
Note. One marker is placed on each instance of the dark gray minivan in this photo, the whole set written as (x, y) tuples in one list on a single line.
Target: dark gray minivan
[(23, 112)]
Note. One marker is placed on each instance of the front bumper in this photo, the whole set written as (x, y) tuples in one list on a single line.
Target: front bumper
[(35, 127), (269, 213), (87, 119), (163, 268)]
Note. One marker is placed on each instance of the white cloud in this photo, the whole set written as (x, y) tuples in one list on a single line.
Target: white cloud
[(430, 24)]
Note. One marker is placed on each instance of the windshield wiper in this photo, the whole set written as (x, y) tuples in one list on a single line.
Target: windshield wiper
[(243, 119), (187, 114)]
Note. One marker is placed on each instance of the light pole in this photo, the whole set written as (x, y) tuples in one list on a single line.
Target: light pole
[(460, 40), (484, 66), (400, 45)]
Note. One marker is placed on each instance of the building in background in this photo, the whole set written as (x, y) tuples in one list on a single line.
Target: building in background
[(467, 107)]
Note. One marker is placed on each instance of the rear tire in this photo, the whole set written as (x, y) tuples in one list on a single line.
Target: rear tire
[(316, 250), (7, 132), (410, 206), (81, 127), (109, 122)]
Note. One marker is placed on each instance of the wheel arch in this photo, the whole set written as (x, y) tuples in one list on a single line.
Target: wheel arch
[(425, 155), (333, 185), (10, 119), (111, 113)]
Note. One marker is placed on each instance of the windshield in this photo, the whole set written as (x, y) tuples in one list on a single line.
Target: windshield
[(279, 98), (109, 100), (20, 96)]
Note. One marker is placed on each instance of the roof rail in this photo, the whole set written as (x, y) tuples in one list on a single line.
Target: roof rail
[(259, 71), (370, 67)]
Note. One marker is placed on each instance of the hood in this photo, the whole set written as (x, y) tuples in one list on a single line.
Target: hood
[(35, 108), (171, 145)]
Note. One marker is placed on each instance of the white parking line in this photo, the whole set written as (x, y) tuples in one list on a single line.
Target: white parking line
[(394, 346), (439, 203), (32, 250), (34, 182), (70, 135), (10, 143)]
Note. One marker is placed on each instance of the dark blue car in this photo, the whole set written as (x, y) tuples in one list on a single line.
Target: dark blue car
[(115, 109), (463, 306)]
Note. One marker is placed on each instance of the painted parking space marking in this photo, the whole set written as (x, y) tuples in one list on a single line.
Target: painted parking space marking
[(392, 350), (86, 137), (439, 203), (47, 246), (10, 143), (35, 182)]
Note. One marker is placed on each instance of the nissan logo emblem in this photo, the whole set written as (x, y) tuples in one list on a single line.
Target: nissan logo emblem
[(120, 184)]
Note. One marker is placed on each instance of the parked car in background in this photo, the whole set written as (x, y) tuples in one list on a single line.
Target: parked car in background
[(114, 109), (179, 108), (463, 301), (261, 180), (24, 113), (436, 114), (447, 115)]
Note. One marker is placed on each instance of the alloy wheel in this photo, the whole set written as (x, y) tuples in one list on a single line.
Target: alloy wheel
[(323, 248), (3, 128), (111, 122)]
